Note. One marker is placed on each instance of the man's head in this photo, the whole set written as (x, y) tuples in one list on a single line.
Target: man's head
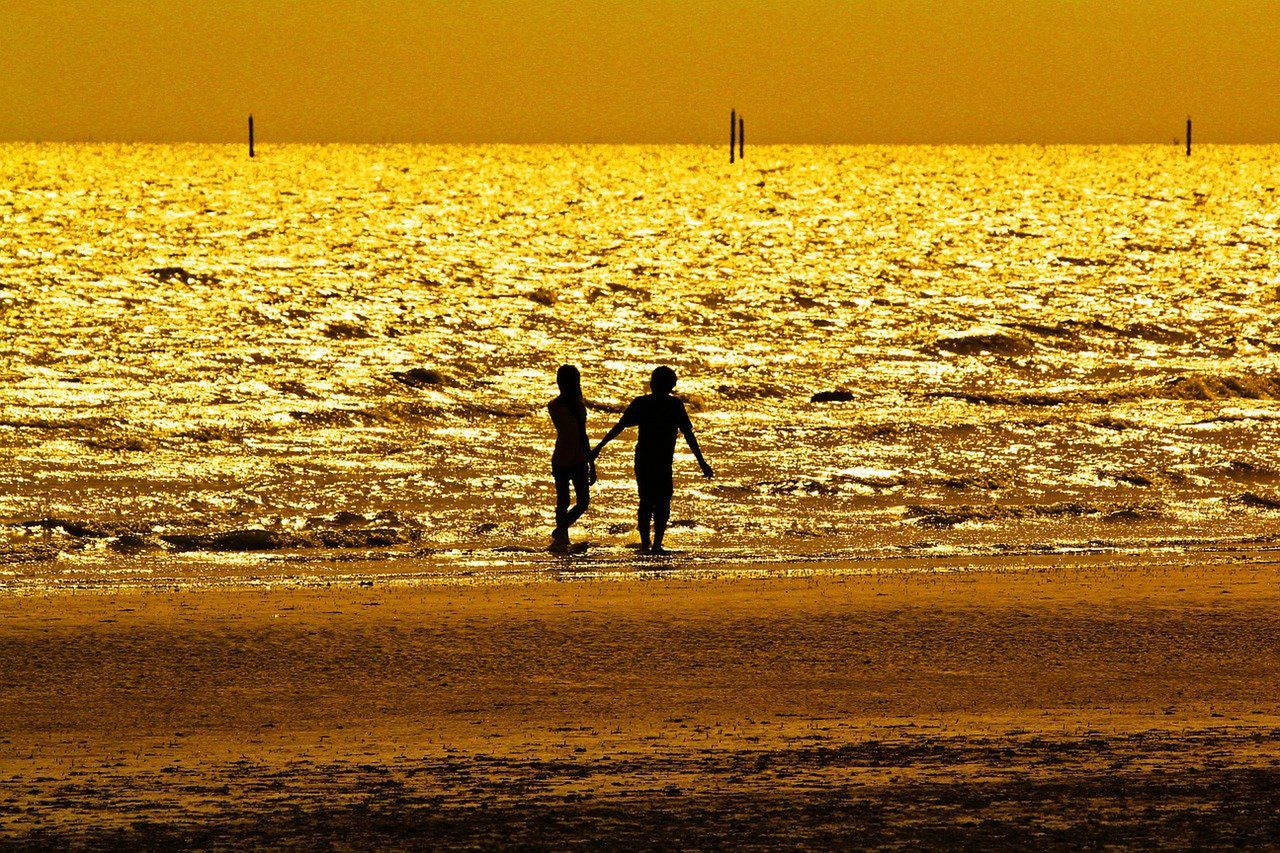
[(569, 380), (663, 380)]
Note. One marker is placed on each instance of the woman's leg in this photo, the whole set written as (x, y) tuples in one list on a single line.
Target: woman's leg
[(582, 491), (562, 501)]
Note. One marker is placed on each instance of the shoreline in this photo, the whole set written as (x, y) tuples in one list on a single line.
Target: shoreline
[(246, 571), (1058, 706)]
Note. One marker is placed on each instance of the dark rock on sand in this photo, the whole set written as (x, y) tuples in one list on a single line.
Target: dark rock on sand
[(831, 397)]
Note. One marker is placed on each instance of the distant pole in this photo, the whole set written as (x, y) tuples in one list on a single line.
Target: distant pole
[(1188, 136), (742, 138), (733, 132), (250, 134)]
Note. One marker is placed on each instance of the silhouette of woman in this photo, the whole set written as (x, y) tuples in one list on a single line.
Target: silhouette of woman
[(570, 462)]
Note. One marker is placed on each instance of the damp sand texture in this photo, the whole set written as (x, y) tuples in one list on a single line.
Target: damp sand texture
[(1081, 705)]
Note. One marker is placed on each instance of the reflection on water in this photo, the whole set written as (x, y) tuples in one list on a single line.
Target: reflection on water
[(336, 353)]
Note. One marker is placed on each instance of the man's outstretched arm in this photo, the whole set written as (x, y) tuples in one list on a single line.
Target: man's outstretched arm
[(687, 428), (586, 448), (609, 436), (629, 418)]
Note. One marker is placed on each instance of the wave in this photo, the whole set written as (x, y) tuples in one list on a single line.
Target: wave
[(984, 342), (345, 330), (1191, 386), (752, 392), (63, 525), (168, 274), (28, 554), (422, 377), (693, 401), (945, 517), (406, 412), (59, 423), (1239, 469), (1072, 334), (259, 539), (343, 530), (1207, 387), (1160, 334), (220, 432), (121, 443), (1074, 261), (1257, 501), (835, 484)]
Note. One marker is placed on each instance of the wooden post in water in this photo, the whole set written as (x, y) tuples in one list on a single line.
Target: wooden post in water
[(250, 135), (733, 132), (742, 138), (1188, 136)]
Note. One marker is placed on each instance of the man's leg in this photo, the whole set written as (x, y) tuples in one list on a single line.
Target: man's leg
[(643, 516), (661, 514), (661, 488), (645, 512)]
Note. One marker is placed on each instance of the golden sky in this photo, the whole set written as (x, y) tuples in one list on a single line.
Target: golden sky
[(655, 71)]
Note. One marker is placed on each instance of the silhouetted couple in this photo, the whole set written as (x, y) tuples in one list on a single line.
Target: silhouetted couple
[(659, 417)]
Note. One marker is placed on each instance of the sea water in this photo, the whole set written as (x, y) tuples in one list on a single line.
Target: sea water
[(330, 355)]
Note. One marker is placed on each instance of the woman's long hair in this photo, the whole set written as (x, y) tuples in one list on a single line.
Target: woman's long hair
[(570, 381)]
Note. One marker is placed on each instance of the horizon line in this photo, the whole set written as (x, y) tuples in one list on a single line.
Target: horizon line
[(622, 144)]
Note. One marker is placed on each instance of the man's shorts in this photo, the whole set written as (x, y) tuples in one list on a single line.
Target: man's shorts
[(654, 483)]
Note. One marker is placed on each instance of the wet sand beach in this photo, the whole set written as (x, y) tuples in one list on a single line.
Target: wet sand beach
[(1074, 701)]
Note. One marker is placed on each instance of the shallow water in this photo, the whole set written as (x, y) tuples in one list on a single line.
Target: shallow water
[(1043, 348)]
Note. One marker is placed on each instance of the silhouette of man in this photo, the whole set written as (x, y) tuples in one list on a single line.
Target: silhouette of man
[(659, 416)]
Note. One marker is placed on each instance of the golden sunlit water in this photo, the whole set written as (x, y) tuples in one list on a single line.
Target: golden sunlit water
[(339, 355)]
